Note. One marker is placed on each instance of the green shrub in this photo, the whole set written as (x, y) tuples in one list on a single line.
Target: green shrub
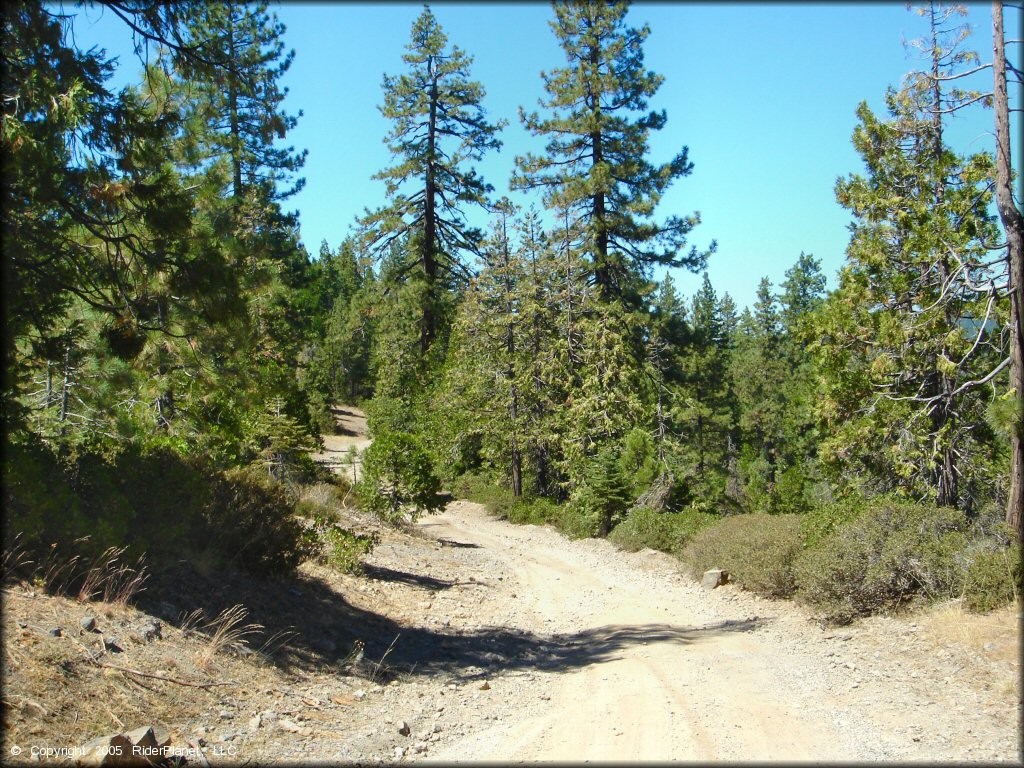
[(250, 522), (819, 523), (150, 500), (665, 531), (338, 547), (481, 489), (470, 485), (993, 579), (757, 550), (398, 478), (575, 520), (889, 553), (532, 511)]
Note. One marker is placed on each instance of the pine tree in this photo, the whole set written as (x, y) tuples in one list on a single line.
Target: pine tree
[(759, 374), (234, 101), (595, 167), (912, 322), (439, 127), (706, 416)]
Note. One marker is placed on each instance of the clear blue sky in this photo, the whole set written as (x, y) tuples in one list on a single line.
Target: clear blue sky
[(762, 94)]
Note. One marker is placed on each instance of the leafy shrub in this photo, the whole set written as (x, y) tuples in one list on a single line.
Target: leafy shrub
[(665, 531), (757, 550), (150, 500), (398, 478), (890, 552), (819, 523), (532, 511), (575, 520), (251, 523), (993, 579), (338, 547)]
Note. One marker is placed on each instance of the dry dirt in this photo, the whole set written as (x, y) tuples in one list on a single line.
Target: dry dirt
[(485, 641), (342, 448)]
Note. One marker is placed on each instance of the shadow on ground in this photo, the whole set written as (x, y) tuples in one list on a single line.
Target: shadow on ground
[(324, 628), (340, 429)]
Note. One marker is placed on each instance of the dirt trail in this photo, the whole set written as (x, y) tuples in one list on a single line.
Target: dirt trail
[(519, 645), (652, 667), (678, 687), (343, 448)]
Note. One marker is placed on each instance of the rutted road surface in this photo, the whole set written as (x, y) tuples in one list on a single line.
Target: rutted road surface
[(646, 665)]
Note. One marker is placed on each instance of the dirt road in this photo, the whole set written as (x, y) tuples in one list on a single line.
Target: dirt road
[(515, 644), (343, 448), (640, 663)]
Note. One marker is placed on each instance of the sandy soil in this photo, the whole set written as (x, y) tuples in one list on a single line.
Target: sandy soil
[(343, 447)]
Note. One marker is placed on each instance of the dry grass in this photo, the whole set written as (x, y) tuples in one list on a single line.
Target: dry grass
[(989, 644), (115, 581), (225, 631), (53, 695), (993, 636)]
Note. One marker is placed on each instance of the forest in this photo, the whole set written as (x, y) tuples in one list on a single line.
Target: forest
[(172, 351)]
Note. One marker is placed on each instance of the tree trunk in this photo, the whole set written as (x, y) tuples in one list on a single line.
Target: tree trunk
[(236, 142), (599, 221), (945, 462), (1013, 223), (428, 330), (65, 389)]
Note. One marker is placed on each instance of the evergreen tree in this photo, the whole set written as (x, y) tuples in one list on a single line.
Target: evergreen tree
[(759, 374), (595, 167), (912, 322), (439, 127), (706, 417)]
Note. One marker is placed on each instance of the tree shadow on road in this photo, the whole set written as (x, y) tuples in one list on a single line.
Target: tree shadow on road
[(324, 628), (483, 652)]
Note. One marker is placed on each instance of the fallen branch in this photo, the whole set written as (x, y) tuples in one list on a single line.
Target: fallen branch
[(164, 677)]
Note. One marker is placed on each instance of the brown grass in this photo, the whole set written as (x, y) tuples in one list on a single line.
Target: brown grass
[(53, 695), (990, 643)]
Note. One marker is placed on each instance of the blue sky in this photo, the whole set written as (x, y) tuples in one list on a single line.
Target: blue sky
[(763, 95)]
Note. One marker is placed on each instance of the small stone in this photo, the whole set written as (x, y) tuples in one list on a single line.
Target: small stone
[(255, 722), (421, 746), (714, 578), (151, 631), (225, 714), (399, 753), (143, 739), (88, 623), (405, 730), (288, 725), (56, 632), (359, 694), (485, 686), (436, 728), (113, 644)]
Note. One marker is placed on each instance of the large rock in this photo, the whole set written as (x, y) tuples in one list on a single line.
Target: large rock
[(144, 746), (716, 577)]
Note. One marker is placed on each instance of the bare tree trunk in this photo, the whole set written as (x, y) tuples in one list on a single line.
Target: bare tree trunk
[(65, 389), (1013, 223), (428, 329), (602, 272)]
